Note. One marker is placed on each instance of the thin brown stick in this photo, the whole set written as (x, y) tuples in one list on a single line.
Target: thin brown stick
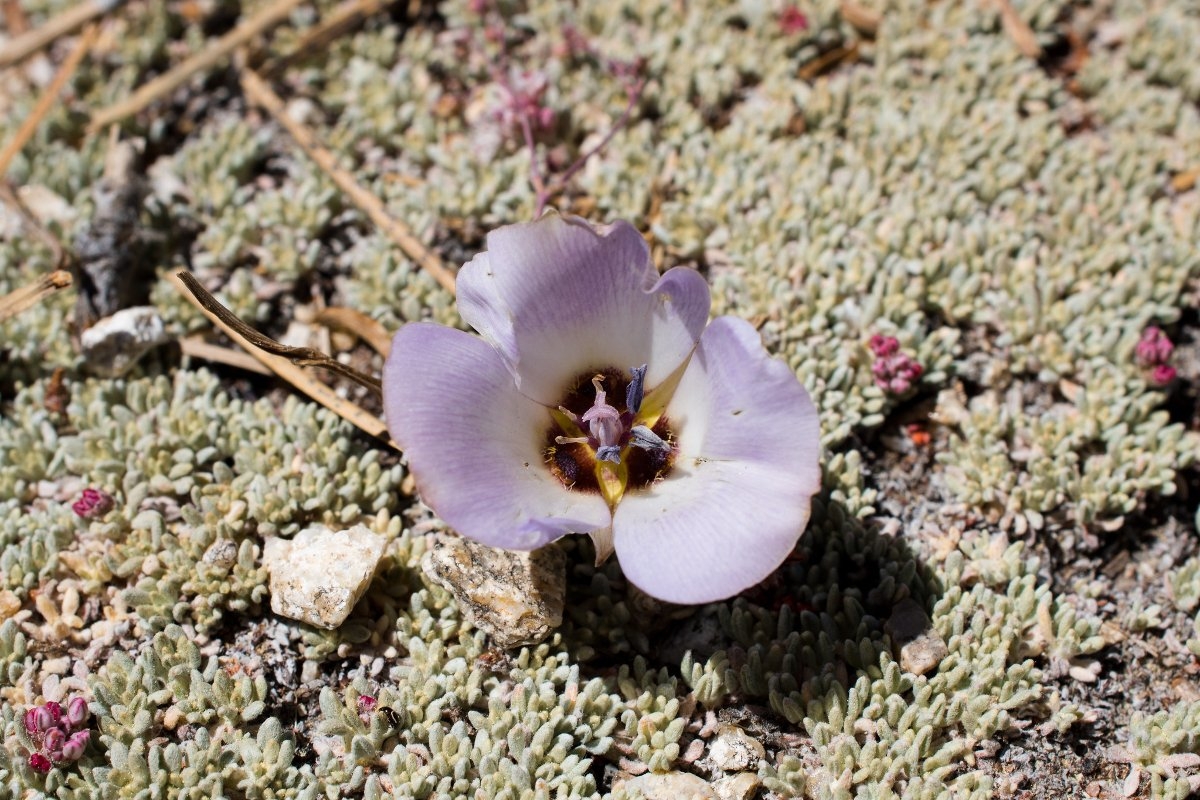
[(1018, 30), (9, 196), (31, 41), (209, 57), (353, 321), (301, 356), (48, 98), (339, 22), (18, 300), (198, 348), (259, 93), (284, 368)]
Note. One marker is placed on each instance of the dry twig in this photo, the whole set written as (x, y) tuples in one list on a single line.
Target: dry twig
[(259, 93), (283, 365), (48, 98), (359, 324), (210, 56), (30, 42), (198, 348), (337, 23), (18, 300)]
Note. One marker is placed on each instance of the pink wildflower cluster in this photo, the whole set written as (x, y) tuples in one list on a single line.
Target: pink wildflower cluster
[(57, 734), (92, 504), (792, 20), (895, 372), (1153, 351), (366, 704)]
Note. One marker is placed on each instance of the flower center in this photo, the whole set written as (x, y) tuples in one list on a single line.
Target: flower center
[(594, 446)]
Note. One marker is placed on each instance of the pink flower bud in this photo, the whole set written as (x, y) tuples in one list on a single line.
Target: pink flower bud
[(77, 712), (883, 345), (1162, 375), (53, 743), (39, 763), (792, 20), (74, 747), (93, 504), (1153, 348), (366, 703)]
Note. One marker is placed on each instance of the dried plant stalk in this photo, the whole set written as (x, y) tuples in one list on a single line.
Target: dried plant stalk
[(210, 56), (259, 93), (282, 365), (18, 300), (48, 98)]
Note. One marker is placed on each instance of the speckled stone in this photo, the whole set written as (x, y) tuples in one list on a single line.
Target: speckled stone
[(516, 598), (671, 786), (734, 750), (742, 786), (318, 576), (921, 647)]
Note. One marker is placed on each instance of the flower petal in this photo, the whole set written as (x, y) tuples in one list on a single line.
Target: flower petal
[(558, 297), (474, 443), (738, 496)]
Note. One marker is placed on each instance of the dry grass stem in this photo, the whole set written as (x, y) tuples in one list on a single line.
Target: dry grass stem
[(48, 98), (32, 41), (352, 321), (339, 22), (259, 93), (209, 57), (18, 300), (198, 348), (282, 366)]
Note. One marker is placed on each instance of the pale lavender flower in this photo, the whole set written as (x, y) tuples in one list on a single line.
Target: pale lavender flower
[(700, 481)]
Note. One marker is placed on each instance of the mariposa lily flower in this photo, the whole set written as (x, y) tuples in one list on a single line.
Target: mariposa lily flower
[(598, 399)]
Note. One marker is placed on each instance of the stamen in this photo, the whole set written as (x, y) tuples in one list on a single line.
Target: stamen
[(570, 440), (569, 414), (611, 453), (643, 437), (634, 392)]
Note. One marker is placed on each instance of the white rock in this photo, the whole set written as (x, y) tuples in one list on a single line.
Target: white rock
[(318, 576), (114, 344), (734, 751), (671, 786), (737, 787)]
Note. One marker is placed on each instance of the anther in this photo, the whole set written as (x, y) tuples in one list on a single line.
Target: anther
[(633, 392), (643, 437)]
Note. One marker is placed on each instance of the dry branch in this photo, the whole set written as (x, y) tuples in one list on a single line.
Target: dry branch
[(48, 98), (30, 42), (209, 57), (259, 93), (18, 300), (282, 366)]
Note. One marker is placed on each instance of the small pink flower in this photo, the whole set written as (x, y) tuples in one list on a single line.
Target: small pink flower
[(93, 504), (1162, 374), (73, 748), (1153, 348), (366, 704), (39, 763), (895, 372), (792, 20), (77, 712), (883, 345)]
